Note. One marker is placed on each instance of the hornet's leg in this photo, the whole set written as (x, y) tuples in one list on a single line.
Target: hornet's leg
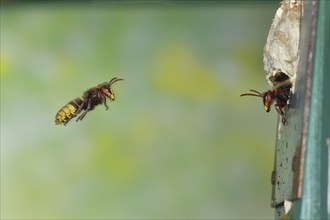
[(105, 103), (280, 111), (81, 107), (82, 115), (85, 112)]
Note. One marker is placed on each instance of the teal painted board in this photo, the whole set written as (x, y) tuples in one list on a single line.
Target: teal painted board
[(287, 156), (314, 199)]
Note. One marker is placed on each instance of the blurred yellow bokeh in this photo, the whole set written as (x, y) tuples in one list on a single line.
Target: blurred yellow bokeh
[(178, 141)]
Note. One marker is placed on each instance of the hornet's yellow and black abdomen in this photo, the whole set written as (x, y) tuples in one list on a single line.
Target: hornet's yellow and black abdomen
[(69, 111)]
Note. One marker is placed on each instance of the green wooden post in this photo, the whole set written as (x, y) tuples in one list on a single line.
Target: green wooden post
[(309, 133), (315, 179)]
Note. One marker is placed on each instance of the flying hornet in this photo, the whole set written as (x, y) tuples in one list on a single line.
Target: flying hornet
[(91, 98)]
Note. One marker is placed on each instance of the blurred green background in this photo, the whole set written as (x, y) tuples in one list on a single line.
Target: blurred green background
[(178, 142)]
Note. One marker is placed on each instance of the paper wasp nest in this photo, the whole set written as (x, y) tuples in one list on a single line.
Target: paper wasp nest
[(281, 52)]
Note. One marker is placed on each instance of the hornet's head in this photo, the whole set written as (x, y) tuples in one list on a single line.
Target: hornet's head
[(267, 98), (107, 90)]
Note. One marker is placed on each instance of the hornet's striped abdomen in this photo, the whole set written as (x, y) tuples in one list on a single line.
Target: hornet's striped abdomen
[(69, 111)]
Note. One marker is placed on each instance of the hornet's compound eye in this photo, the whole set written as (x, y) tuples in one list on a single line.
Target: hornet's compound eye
[(268, 100), (108, 93)]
